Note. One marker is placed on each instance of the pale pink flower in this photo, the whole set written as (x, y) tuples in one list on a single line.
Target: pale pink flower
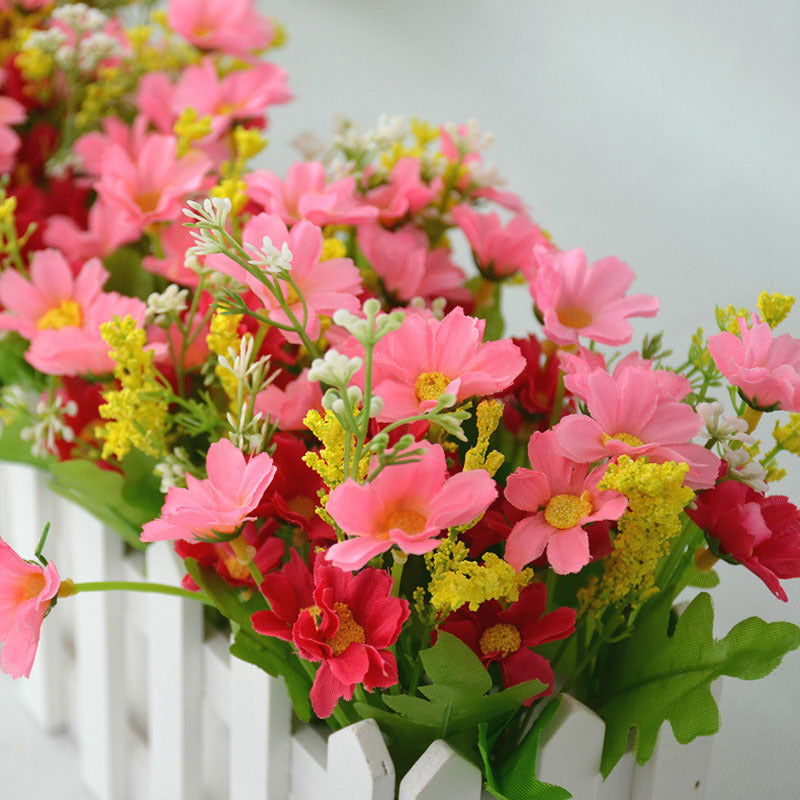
[(175, 240), (288, 407), (218, 504), (427, 358), (11, 113), (629, 414), (407, 267), (25, 593), (61, 314), (577, 300), (240, 95), (561, 497), (501, 250), (306, 194), (107, 230), (765, 368), (404, 194), (152, 186), (326, 286), (28, 5), (407, 505), (232, 26), (92, 146)]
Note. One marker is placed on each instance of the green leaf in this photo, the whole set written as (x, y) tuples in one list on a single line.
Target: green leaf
[(14, 369), (651, 676), (272, 655), (515, 778), (126, 275), (14, 448)]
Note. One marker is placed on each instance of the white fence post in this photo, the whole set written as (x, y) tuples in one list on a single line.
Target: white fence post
[(441, 773), (359, 765)]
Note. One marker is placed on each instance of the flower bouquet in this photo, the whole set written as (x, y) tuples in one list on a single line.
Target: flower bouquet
[(297, 383)]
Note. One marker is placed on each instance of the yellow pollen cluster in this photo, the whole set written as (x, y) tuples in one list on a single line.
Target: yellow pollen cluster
[(455, 580), (626, 438), (774, 308), (223, 333), (137, 413), (788, 435), (573, 317), (66, 314), (190, 128), (349, 630), (656, 497), (501, 638), (32, 586), (248, 142), (488, 415), (333, 248), (328, 463), (408, 520), (422, 132), (565, 511), (430, 386), (34, 64), (235, 189), (7, 209), (728, 318)]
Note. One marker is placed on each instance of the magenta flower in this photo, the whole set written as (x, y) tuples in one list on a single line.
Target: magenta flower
[(562, 498), (404, 194), (61, 314), (326, 286), (25, 593), (306, 194), (632, 413), (501, 250), (407, 505), (232, 26), (216, 505), (576, 300), (765, 368), (426, 358)]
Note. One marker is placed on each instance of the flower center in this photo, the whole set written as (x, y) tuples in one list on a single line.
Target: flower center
[(501, 638), (291, 295), (349, 630), (573, 317), (147, 201), (302, 505), (409, 521), (430, 386), (237, 570), (66, 314), (626, 438), (567, 510), (33, 586)]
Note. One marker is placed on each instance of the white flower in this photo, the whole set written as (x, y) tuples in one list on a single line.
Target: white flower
[(745, 468), (213, 211), (96, 48), (308, 144), (49, 423), (274, 261), (48, 41), (173, 469), (171, 302), (335, 368), (723, 427), (79, 17)]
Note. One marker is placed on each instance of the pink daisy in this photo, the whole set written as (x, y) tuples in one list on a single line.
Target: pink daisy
[(11, 113), (288, 407), (216, 505), (407, 505), (576, 300), (404, 194), (427, 357), (562, 497), (765, 368)]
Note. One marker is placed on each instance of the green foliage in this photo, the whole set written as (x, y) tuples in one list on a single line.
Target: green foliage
[(515, 778), (14, 369), (454, 703), (272, 655), (126, 275), (653, 676), (14, 448), (490, 311)]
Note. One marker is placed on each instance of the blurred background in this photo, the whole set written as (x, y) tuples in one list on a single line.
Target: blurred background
[(667, 134)]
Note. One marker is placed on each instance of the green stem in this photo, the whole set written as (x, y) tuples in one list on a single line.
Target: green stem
[(134, 586), (558, 401)]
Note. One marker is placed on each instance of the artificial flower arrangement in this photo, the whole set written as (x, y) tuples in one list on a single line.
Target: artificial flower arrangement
[(407, 516)]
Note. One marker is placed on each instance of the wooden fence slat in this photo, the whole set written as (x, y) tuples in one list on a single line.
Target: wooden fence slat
[(617, 786), (359, 765), (175, 639), (308, 753), (441, 774)]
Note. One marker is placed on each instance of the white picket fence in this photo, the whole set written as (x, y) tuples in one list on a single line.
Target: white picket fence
[(160, 709)]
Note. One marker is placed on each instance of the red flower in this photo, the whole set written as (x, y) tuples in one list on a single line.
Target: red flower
[(342, 620), (505, 635), (763, 533)]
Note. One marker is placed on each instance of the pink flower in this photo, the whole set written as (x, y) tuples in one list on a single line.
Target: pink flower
[(240, 95), (563, 498), (288, 407), (406, 505), (152, 186), (306, 195), (175, 240), (763, 533), (630, 414), (92, 147), (500, 251), (578, 301), (61, 314), (765, 368), (218, 504), (407, 268), (232, 26), (25, 593), (326, 286), (404, 194), (344, 622), (11, 113), (426, 358)]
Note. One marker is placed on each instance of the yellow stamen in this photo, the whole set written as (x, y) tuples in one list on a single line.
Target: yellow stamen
[(567, 510), (430, 386), (573, 317), (501, 638), (349, 630), (626, 438), (66, 314), (33, 586), (407, 520)]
